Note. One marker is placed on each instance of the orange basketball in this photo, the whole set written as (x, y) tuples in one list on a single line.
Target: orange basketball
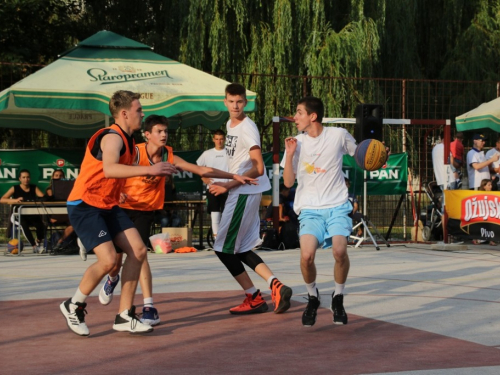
[(370, 155)]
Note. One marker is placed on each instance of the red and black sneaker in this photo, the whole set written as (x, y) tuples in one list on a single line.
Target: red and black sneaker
[(253, 304), (281, 295)]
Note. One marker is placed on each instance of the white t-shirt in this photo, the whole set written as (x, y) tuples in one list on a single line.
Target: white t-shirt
[(442, 171), (476, 176), (317, 164), (489, 155), (214, 158), (239, 140)]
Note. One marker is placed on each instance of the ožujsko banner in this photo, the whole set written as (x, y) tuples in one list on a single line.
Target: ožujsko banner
[(473, 214)]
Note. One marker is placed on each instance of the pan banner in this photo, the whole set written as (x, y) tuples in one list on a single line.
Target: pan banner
[(473, 214)]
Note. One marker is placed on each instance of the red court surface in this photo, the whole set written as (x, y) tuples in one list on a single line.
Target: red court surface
[(199, 336)]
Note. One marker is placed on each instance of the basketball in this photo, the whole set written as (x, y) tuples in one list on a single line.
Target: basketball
[(370, 155), (13, 246)]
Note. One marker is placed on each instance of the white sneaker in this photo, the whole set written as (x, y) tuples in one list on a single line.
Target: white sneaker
[(83, 251), (75, 316), (106, 292), (127, 321), (41, 249)]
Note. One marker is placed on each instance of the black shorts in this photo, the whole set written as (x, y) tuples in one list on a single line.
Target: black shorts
[(215, 203), (142, 221), (95, 225)]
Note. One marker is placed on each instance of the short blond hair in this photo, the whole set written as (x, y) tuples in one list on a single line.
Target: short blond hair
[(122, 99)]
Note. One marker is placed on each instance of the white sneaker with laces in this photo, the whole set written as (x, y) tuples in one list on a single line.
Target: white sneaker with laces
[(75, 316), (127, 321)]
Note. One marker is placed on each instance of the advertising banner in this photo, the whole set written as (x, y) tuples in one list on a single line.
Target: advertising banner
[(40, 163), (391, 179), (473, 214)]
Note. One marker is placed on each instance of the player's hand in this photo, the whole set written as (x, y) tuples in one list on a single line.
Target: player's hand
[(495, 157), (290, 145), (207, 181), (245, 180), (217, 188), (162, 169)]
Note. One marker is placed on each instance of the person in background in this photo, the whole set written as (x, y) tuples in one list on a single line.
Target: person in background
[(457, 159), (486, 185), (283, 208), (58, 174), (356, 215), (26, 192), (495, 166), (477, 163), (442, 172), (215, 157)]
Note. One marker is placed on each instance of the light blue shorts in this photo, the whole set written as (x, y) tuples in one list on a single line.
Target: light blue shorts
[(326, 222)]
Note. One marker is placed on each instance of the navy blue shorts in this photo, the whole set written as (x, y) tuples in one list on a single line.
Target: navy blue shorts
[(95, 225)]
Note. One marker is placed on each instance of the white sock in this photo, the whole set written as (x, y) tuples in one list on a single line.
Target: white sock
[(270, 280), (311, 289), (251, 291), (339, 289), (113, 278), (215, 222), (78, 297), (148, 302)]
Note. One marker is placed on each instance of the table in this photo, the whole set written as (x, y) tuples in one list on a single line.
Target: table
[(191, 205), (19, 209), (59, 208)]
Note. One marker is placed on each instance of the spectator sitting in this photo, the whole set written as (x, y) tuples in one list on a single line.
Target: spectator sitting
[(486, 185), (26, 192), (166, 218), (58, 174), (356, 216), (283, 207)]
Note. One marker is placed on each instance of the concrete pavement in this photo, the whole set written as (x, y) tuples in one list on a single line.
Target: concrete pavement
[(450, 297)]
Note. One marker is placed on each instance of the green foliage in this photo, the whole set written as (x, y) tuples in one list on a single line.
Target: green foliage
[(285, 49), (35, 31)]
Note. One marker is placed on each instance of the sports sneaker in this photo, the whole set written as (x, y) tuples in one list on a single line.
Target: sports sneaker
[(253, 304), (337, 307), (150, 316), (127, 321), (106, 292), (281, 295), (82, 250), (75, 316), (309, 315)]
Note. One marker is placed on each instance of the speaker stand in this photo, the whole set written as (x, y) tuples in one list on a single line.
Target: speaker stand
[(367, 224)]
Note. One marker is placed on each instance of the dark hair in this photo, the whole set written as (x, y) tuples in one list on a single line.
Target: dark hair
[(153, 120), (57, 170), (236, 89), (313, 105), (219, 132), (24, 171), (122, 99)]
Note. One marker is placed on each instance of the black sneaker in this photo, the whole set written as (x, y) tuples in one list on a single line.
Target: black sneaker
[(75, 316), (309, 315), (337, 307), (127, 321)]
